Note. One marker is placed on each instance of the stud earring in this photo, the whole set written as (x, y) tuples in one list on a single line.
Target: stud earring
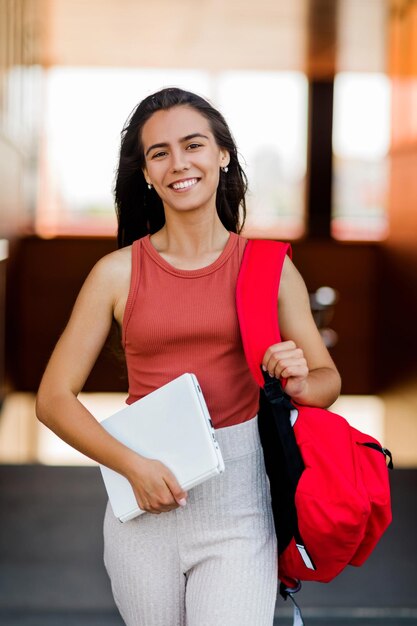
[(149, 186), (225, 169)]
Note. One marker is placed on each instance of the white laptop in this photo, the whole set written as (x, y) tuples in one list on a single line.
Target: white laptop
[(173, 425)]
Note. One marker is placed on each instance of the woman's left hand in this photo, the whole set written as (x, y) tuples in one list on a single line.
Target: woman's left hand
[(285, 360)]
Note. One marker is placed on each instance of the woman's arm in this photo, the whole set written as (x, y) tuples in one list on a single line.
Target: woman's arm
[(71, 362), (302, 358), (57, 406)]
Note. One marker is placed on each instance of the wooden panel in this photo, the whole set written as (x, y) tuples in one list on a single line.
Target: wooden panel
[(45, 277), (320, 159), (19, 49), (47, 274), (304, 35), (210, 34), (399, 304), (2, 324), (353, 271), (403, 38), (322, 38)]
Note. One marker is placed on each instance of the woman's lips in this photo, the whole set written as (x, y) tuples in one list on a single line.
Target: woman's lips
[(183, 185)]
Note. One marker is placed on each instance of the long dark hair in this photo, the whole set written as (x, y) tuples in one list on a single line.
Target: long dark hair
[(140, 210)]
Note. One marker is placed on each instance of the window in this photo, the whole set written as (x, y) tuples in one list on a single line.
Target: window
[(86, 109), (268, 114), (361, 142)]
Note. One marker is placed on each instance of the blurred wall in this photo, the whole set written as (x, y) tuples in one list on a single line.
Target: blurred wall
[(20, 93), (49, 274), (399, 271), (375, 315), (21, 36)]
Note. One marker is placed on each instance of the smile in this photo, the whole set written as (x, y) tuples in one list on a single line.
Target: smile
[(184, 184)]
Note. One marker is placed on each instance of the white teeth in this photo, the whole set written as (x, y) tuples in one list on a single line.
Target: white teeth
[(185, 183)]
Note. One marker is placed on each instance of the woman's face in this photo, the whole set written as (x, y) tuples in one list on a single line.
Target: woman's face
[(182, 158)]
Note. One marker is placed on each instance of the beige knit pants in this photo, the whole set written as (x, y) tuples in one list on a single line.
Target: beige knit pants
[(211, 563)]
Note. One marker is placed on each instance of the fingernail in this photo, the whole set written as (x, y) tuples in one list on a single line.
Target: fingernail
[(182, 502), (264, 368)]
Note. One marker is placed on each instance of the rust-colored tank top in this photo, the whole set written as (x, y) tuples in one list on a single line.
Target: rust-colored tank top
[(179, 321)]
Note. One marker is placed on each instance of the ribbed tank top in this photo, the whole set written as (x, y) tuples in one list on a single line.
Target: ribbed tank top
[(179, 321)]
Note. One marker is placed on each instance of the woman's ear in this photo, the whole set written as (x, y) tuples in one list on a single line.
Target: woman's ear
[(146, 175), (224, 157)]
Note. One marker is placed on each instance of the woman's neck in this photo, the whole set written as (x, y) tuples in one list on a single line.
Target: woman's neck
[(195, 244), (191, 238)]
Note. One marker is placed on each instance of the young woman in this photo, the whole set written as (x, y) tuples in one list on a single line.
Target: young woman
[(206, 558)]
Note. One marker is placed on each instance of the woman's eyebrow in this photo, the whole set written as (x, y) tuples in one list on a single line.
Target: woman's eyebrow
[(164, 144)]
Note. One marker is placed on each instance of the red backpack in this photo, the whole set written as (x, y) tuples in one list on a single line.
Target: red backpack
[(329, 482)]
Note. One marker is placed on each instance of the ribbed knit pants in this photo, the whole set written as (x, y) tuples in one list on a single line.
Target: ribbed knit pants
[(211, 563)]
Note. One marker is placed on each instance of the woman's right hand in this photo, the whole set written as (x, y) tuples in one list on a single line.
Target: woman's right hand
[(155, 487)]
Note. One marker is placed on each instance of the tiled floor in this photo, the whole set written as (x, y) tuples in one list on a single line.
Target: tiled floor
[(32, 593), (113, 619), (52, 572)]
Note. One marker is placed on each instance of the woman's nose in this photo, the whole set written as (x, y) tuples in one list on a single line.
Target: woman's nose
[(179, 161)]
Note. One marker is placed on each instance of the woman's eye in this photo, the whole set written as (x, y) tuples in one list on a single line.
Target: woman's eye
[(158, 155), (192, 146)]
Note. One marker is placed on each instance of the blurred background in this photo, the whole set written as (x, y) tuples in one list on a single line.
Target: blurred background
[(321, 96)]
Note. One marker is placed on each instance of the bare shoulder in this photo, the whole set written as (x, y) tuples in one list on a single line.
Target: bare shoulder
[(111, 276), (292, 285), (108, 278), (114, 266), (111, 271)]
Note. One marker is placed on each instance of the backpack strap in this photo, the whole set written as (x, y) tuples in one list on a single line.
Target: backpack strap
[(257, 299)]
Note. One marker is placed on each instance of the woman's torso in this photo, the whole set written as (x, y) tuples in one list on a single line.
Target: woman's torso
[(178, 321)]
